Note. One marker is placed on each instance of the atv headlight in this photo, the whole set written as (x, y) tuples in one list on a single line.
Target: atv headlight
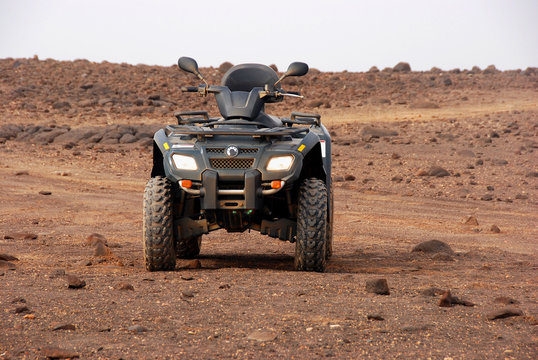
[(280, 163), (184, 162)]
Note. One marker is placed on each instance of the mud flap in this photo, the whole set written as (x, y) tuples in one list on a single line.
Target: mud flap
[(284, 229), (188, 228)]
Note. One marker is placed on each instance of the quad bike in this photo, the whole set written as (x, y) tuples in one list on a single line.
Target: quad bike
[(246, 170)]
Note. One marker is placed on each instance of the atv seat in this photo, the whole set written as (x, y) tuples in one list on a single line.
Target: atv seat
[(245, 77)]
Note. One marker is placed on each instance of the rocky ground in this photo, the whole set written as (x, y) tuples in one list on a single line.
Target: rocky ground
[(418, 156)]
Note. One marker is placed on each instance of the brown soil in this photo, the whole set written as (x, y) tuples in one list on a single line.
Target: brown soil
[(483, 132)]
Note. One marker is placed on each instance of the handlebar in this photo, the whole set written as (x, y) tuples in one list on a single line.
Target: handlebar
[(203, 90)]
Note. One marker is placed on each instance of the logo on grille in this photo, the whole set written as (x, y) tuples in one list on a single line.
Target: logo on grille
[(232, 151)]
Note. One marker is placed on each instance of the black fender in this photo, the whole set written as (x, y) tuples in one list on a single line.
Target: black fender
[(160, 147)]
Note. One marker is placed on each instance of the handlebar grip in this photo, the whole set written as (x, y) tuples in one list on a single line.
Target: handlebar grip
[(189, 89)]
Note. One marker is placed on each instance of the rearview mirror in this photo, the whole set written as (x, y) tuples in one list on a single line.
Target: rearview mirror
[(188, 64), (297, 69)]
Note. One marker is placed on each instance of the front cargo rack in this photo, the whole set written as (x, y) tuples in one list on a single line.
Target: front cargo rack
[(202, 131)]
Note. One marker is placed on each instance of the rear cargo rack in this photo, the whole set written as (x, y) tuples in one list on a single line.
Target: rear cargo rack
[(298, 118), (193, 117)]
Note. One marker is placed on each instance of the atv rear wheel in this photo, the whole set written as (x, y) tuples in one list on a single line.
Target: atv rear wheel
[(311, 244), (329, 246), (188, 248), (159, 251)]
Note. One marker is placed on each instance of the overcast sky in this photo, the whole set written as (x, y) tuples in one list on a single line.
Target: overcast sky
[(330, 35)]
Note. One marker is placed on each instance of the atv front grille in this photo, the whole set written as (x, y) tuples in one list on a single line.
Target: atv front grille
[(231, 163), (220, 150)]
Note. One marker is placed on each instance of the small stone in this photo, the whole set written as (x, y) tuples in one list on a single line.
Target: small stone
[(395, 156), (522, 196), (22, 310), (44, 192), (186, 278), (447, 300), (95, 238), (20, 236), (397, 179), (23, 172), (504, 313), (433, 246), (532, 174), (438, 171), (378, 286), (334, 326), (499, 162), (137, 329), (506, 300), (193, 264), (74, 282), (7, 257), (338, 178), (470, 220), (101, 250), (224, 286), (377, 317), (495, 229), (487, 197), (7, 265), (309, 329), (125, 287), (64, 327), (490, 188), (349, 177), (57, 353), (187, 294), (421, 172), (262, 335), (29, 316)]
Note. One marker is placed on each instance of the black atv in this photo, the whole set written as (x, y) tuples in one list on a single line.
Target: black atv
[(245, 170)]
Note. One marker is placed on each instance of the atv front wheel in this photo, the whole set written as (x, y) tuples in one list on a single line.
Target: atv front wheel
[(330, 229), (159, 251), (188, 248), (310, 247)]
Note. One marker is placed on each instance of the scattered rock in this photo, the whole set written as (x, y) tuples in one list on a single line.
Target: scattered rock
[(187, 294), (349, 177), (94, 239), (495, 229), (262, 335), (7, 265), (433, 246), (64, 327), (487, 197), (499, 162), (22, 310), (504, 313), (378, 286), (402, 67), (438, 171), (44, 192), (7, 257), (186, 278), (339, 179), (522, 196), (506, 300), (193, 264), (377, 317), (101, 250), (20, 236), (447, 300), (123, 286), (470, 220), (23, 172), (137, 329), (397, 179), (532, 174), (225, 66), (466, 153), (57, 353), (74, 282)]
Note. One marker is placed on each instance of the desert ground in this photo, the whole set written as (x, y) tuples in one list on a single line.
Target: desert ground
[(447, 155)]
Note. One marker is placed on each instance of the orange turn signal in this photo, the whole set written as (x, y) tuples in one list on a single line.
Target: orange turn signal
[(276, 184), (186, 183)]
